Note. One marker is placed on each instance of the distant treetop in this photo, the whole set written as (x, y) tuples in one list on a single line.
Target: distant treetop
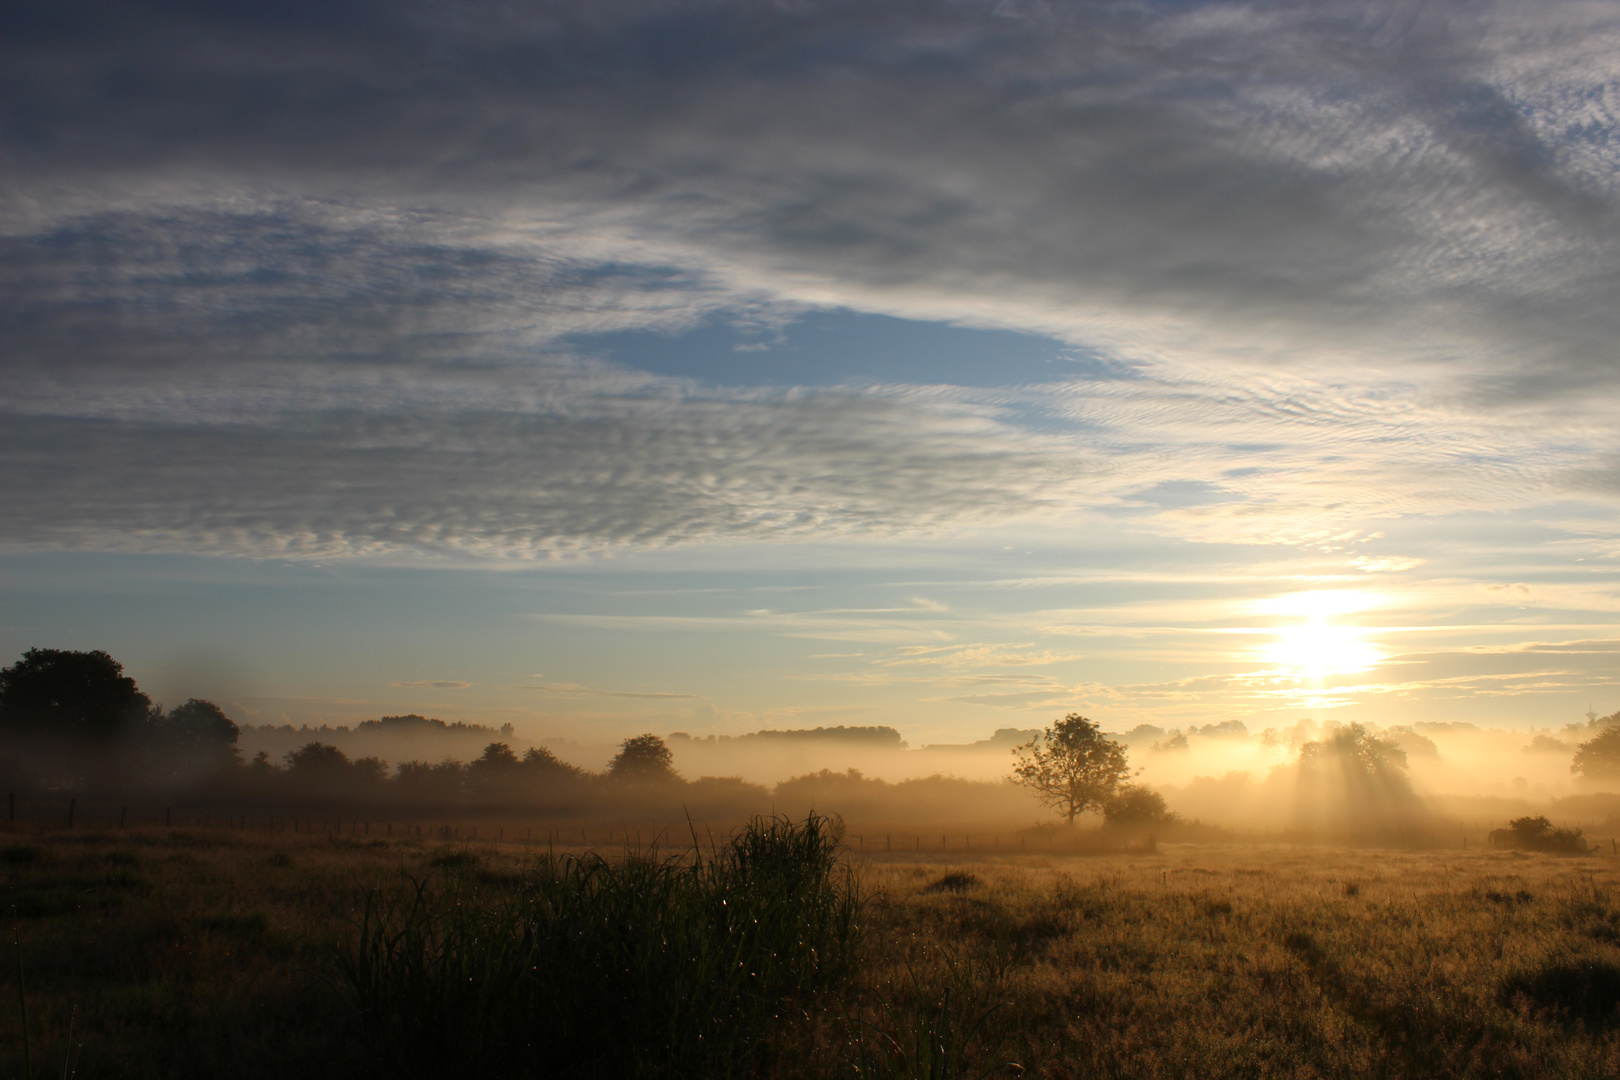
[(412, 722), (881, 735)]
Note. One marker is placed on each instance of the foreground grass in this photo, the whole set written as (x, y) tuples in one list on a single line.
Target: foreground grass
[(194, 953)]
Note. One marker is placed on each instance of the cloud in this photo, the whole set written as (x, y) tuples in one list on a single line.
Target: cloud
[(1286, 179), (571, 690), (333, 295), (438, 684)]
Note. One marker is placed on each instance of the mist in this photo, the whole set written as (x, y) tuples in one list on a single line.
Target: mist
[(75, 725)]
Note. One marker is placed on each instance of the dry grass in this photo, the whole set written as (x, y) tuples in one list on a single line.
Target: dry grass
[(1246, 962), (188, 952)]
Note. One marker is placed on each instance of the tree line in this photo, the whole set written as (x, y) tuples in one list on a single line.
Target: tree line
[(75, 721)]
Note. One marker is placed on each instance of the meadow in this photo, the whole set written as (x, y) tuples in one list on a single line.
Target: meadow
[(180, 952)]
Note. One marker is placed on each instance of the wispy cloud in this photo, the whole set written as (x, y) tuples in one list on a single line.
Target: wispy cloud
[(570, 690)]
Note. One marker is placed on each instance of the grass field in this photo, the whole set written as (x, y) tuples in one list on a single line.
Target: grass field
[(213, 952)]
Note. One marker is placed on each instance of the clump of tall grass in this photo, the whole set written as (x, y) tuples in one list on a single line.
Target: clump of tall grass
[(938, 1029), (642, 966)]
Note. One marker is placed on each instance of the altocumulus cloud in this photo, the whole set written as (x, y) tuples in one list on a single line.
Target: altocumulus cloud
[(297, 279)]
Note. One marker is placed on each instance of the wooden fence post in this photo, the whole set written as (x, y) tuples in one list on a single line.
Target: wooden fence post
[(168, 817), (11, 806), (73, 804), (122, 810)]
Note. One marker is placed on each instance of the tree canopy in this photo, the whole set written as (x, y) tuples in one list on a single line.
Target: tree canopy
[(1072, 767), (1598, 758), (642, 758), (1354, 780), (200, 728), (79, 698)]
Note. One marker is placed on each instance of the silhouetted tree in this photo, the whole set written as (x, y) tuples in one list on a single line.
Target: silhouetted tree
[(369, 774), (318, 761), (1072, 767), (1354, 779), (200, 730), (1598, 758), (540, 763), (643, 758), (496, 760), (1357, 751), (440, 784), (80, 699)]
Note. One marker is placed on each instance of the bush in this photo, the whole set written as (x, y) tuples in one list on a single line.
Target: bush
[(1539, 834), (643, 967)]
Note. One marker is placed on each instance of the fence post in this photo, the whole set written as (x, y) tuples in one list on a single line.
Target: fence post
[(11, 807), (168, 817), (73, 804), (122, 810)]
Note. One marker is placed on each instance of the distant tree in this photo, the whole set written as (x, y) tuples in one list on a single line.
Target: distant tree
[(1598, 758), (83, 699), (1072, 767), (495, 772), (643, 758), (540, 763), (318, 761), (433, 784), (1354, 779), (199, 730), (1355, 750), (368, 773), (496, 758), (1137, 807), (1545, 744)]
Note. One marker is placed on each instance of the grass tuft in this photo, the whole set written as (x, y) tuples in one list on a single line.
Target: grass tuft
[(645, 966), (454, 860), (956, 882)]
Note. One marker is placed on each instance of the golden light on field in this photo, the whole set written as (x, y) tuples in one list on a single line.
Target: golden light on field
[(1316, 647)]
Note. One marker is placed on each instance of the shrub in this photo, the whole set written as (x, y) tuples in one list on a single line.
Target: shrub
[(1539, 834)]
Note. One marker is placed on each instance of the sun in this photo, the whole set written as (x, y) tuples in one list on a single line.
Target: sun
[(1315, 647)]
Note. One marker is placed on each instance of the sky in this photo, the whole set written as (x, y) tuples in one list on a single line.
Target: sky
[(714, 366)]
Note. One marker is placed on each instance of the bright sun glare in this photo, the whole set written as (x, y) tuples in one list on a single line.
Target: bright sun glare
[(1314, 648)]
